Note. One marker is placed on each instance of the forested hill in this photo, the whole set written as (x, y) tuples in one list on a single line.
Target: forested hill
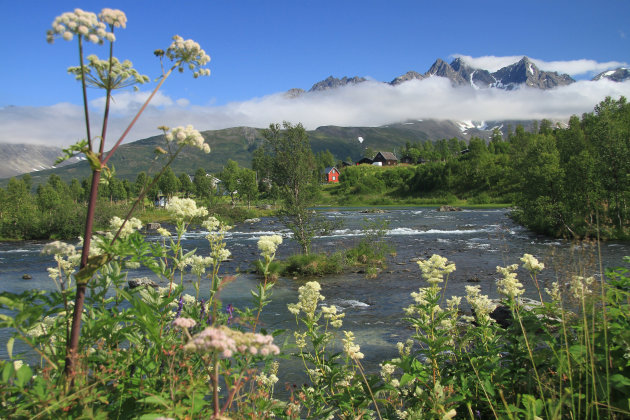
[(239, 143)]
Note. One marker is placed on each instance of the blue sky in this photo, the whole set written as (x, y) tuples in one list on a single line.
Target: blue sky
[(262, 48)]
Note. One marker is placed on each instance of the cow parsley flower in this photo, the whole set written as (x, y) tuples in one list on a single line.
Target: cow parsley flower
[(187, 136), (130, 227), (481, 304), (189, 52), (81, 23), (531, 264), (308, 299), (113, 17), (268, 245), (350, 348), (509, 285), (434, 269), (104, 74), (185, 208), (59, 248), (580, 286)]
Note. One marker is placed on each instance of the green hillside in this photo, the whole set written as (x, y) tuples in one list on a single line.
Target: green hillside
[(239, 143)]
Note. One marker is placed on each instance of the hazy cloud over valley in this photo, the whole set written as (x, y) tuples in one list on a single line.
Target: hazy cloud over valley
[(366, 104)]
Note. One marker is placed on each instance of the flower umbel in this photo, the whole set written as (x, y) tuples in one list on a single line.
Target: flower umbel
[(509, 285), (434, 269), (187, 51), (187, 136)]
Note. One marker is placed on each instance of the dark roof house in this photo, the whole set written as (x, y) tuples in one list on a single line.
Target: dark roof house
[(385, 158)]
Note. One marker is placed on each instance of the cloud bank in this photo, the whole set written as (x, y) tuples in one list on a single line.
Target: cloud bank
[(366, 104), (570, 67)]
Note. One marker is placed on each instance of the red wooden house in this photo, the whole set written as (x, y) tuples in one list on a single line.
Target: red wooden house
[(331, 174)]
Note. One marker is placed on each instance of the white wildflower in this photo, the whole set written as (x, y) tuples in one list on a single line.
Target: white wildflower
[(188, 51), (59, 248), (113, 17), (211, 223), (580, 286), (163, 232), (77, 22), (554, 292), (185, 208), (481, 304), (434, 269), (308, 299), (268, 245), (187, 136), (531, 264), (509, 285), (350, 348), (116, 222)]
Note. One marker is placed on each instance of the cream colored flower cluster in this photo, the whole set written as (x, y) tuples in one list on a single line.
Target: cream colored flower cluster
[(268, 245), (130, 227), (580, 286), (330, 314), (434, 269), (211, 224), (350, 348), (184, 323), (103, 74), (113, 17), (59, 248), (481, 304), (531, 264), (509, 285), (85, 24), (227, 342), (198, 264), (308, 299), (188, 136), (185, 208), (188, 51), (163, 232)]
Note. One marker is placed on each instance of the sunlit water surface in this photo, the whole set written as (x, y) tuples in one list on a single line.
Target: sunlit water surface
[(475, 240)]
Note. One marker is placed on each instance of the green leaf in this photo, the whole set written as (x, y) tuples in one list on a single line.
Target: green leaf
[(154, 399), (404, 380), (10, 343), (24, 374)]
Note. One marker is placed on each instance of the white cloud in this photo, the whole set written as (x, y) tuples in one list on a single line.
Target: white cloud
[(571, 67), (366, 104)]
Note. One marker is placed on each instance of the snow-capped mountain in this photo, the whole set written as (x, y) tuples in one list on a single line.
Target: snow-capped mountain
[(514, 76), (618, 75)]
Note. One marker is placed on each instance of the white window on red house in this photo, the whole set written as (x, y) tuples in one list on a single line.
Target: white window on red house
[(334, 177)]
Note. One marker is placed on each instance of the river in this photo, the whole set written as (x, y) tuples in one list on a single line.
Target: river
[(475, 240)]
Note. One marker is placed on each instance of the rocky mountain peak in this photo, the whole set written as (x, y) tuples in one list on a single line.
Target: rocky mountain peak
[(443, 69), (410, 75), (332, 82), (525, 72), (620, 74)]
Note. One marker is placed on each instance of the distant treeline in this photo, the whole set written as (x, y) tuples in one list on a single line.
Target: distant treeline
[(571, 181), (563, 181)]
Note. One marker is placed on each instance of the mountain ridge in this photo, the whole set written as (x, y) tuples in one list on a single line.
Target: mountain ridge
[(523, 73), (239, 143)]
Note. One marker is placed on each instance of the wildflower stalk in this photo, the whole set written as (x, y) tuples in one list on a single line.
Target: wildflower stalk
[(361, 371), (86, 112), (515, 309), (603, 300)]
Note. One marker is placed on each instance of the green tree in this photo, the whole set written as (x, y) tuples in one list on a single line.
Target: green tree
[(229, 177), (248, 187), (294, 171), (168, 183), (202, 184), (186, 185)]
